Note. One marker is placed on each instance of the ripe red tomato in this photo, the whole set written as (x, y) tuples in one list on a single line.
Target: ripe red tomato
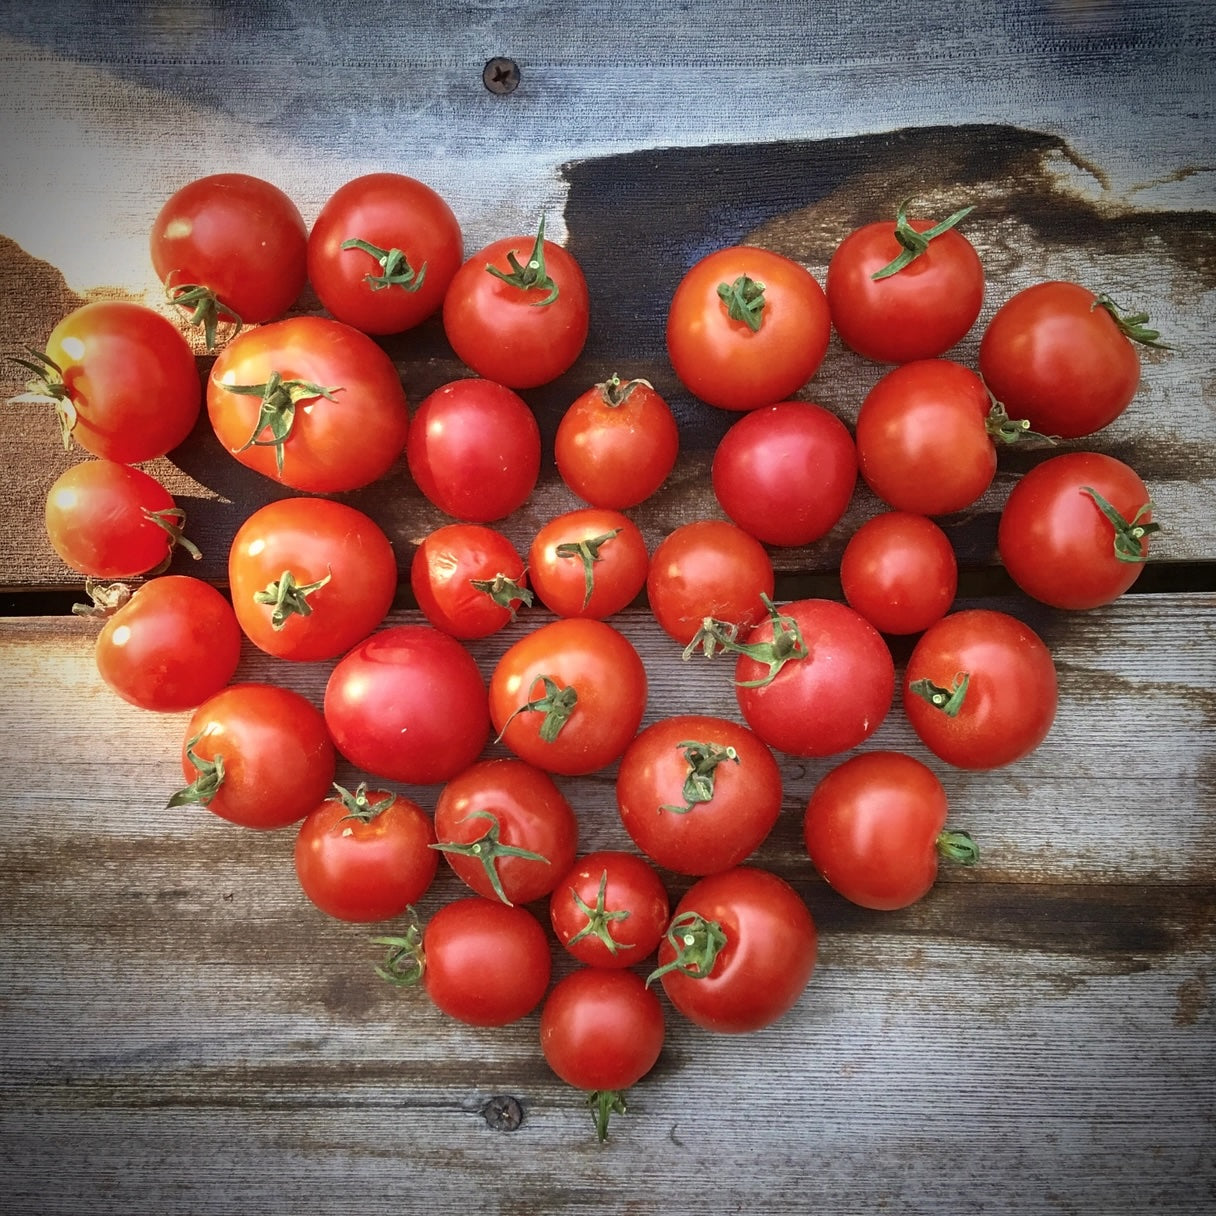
[(474, 450), (365, 856), (310, 577), (257, 755), (617, 443), (310, 403), (875, 826), (785, 474), (980, 689), (904, 290), (698, 794), (739, 952), (899, 571), (408, 704), (747, 327), (1074, 531), (518, 311), (569, 696), (382, 252), (506, 830), (123, 381)]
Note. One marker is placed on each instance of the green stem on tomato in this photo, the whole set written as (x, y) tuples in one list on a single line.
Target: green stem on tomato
[(48, 385), (958, 847), (277, 412), (604, 1104), (948, 700), (1133, 325), (557, 705), (697, 942), (207, 309), (530, 275), (744, 300), (787, 643), (357, 804), (395, 268), (206, 785), (915, 243), (489, 849), (588, 552), (289, 597), (1130, 534), (504, 591), (599, 918), (615, 391), (702, 759), (405, 962)]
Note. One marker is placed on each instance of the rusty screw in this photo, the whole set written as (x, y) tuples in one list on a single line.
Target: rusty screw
[(501, 75)]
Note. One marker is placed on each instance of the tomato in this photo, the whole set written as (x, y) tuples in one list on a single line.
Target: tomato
[(739, 951), (1063, 358), (709, 568), (168, 645), (588, 562), (310, 403), (474, 450), (747, 327), (602, 1031), (365, 856), (382, 252), (875, 827), (123, 381), (904, 290), (111, 520), (506, 830), (569, 696), (980, 689), (231, 248), (610, 909), (785, 474), (469, 580), (899, 571), (257, 755), (1074, 531), (617, 443), (518, 311), (310, 577), (698, 794)]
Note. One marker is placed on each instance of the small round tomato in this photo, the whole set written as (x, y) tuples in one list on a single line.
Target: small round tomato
[(257, 755), (518, 311), (365, 856), (875, 827), (747, 327), (899, 571), (785, 474), (474, 450), (1074, 531), (617, 443), (382, 252), (980, 689), (310, 577), (506, 830)]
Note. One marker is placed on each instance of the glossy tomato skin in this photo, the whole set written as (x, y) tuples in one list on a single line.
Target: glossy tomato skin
[(785, 473), (408, 704), (1056, 541), (714, 827), (474, 449), (171, 646), (390, 212), (306, 541), (725, 362), (339, 442), (1011, 691)]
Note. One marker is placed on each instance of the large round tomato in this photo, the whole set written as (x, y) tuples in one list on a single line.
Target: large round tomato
[(309, 402), (747, 327), (382, 252)]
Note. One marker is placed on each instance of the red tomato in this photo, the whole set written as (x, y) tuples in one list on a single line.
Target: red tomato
[(980, 689), (310, 403), (310, 577), (785, 474), (382, 252), (899, 571), (569, 696), (408, 704), (875, 826), (506, 830), (364, 856), (589, 562), (617, 443), (123, 381), (904, 290), (474, 450), (1075, 529), (698, 794), (739, 952), (258, 755), (518, 311)]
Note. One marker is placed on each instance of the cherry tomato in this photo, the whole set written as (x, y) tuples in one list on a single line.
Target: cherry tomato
[(382, 252)]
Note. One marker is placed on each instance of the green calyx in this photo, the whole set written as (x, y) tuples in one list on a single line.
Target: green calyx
[(288, 597), (47, 385), (1003, 429), (206, 785), (504, 591), (358, 805), (599, 918), (703, 760), (786, 645), (588, 552), (489, 850), (105, 599), (557, 705), (1133, 325), (1130, 534), (405, 962), (697, 942), (172, 520), (277, 413), (530, 275), (615, 391), (948, 700), (958, 847), (604, 1104), (744, 300), (206, 310), (713, 637), (915, 243), (395, 268)]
